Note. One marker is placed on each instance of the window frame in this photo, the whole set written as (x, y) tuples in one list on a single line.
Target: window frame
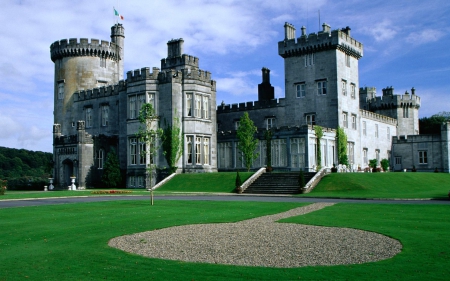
[(300, 90)]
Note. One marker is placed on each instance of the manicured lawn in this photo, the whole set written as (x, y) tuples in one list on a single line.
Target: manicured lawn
[(69, 242), (205, 182), (13, 194), (383, 185), (422, 230)]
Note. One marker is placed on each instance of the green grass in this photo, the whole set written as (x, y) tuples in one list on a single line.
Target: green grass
[(69, 242), (383, 185), (223, 182), (422, 230), (182, 183)]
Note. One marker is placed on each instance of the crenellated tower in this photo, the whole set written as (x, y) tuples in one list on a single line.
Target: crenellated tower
[(81, 64), (321, 75)]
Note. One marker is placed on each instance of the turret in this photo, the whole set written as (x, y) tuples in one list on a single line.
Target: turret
[(81, 64)]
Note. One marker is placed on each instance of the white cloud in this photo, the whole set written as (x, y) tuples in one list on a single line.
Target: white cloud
[(425, 36)]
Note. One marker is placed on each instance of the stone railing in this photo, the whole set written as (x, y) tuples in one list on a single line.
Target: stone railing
[(159, 184), (250, 180), (315, 180)]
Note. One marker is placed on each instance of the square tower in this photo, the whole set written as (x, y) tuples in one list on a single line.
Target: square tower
[(321, 77)]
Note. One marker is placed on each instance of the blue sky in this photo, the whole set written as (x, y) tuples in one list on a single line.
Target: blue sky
[(405, 45)]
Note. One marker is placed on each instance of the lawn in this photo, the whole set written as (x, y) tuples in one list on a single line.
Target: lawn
[(69, 242), (383, 185)]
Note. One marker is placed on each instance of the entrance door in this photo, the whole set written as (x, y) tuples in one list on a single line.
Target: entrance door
[(398, 163), (68, 172)]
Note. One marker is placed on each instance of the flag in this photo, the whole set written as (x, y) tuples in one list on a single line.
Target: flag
[(117, 14)]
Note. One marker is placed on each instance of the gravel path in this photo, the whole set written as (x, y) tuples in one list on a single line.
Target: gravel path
[(262, 242)]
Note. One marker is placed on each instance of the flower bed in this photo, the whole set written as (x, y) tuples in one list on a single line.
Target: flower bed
[(111, 192)]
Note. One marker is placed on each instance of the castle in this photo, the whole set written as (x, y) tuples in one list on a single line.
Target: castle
[(96, 110)]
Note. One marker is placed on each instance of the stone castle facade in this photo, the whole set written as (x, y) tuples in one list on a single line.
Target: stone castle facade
[(96, 110)]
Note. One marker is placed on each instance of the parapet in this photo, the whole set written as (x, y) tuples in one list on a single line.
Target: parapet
[(316, 42), (245, 106), (377, 117), (389, 100), (73, 47), (179, 61), (142, 74), (105, 91)]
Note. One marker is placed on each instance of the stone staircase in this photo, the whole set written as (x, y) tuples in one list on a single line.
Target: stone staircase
[(277, 183)]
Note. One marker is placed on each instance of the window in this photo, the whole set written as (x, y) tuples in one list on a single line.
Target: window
[(189, 104), (365, 158), (351, 152), (198, 150), (189, 149), (100, 158), (132, 181), (423, 158), (364, 128), (301, 90), (198, 106), (105, 115), (61, 90), (102, 62), (205, 107), (309, 59), (133, 107), (206, 151), (225, 154), (151, 100), (353, 121), (377, 156), (344, 87), (236, 125), (322, 87), (88, 117), (398, 160), (140, 182), (140, 102), (376, 130), (347, 60), (345, 119), (353, 91), (405, 112), (270, 122), (388, 133), (142, 154), (310, 119), (133, 151), (297, 152)]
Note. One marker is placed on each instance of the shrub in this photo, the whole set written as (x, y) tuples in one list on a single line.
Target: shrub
[(384, 164), (3, 184), (373, 164), (27, 183), (301, 180), (238, 181)]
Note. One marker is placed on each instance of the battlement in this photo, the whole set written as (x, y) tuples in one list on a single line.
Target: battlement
[(142, 74), (245, 106), (390, 100), (180, 61), (82, 47), (317, 42), (105, 91), (377, 117)]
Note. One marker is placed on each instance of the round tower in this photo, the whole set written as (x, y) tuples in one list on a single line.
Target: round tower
[(82, 65)]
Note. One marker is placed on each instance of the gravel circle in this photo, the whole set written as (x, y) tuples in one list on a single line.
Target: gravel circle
[(262, 242)]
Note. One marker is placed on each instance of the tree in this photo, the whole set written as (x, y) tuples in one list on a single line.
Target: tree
[(319, 134), (247, 142), (432, 125), (342, 146), (150, 135), (111, 171), (172, 144)]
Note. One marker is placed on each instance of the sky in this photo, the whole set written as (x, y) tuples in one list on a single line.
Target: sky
[(405, 45)]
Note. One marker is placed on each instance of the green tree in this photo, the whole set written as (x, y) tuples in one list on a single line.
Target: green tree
[(247, 142), (319, 134), (111, 171), (432, 125), (150, 134), (172, 144), (342, 146)]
